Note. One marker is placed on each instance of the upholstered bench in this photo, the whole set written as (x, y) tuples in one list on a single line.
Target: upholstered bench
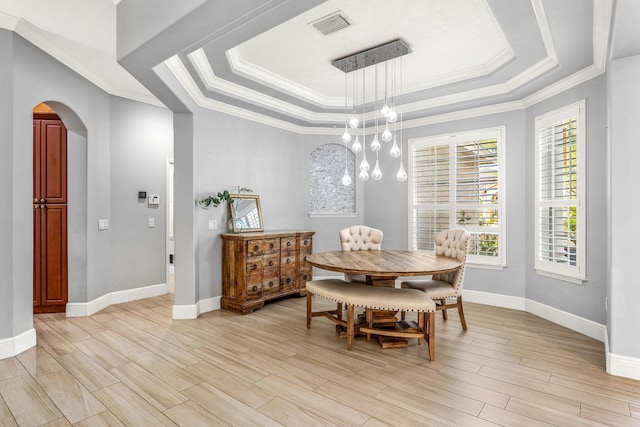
[(373, 297)]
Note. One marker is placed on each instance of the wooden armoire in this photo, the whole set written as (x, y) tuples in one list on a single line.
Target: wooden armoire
[(50, 271)]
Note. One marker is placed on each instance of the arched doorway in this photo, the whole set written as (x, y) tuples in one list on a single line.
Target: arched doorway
[(50, 285), (60, 207)]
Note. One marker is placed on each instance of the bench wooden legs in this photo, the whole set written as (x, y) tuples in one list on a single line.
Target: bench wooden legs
[(426, 325), (429, 329), (351, 327)]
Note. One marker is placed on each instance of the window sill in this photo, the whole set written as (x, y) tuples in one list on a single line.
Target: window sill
[(486, 266), (332, 215), (570, 279)]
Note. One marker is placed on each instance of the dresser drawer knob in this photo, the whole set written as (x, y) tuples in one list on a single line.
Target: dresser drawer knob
[(288, 260), (270, 263), (271, 246), (255, 288), (306, 243), (254, 266), (271, 284), (256, 247), (288, 244), (288, 279)]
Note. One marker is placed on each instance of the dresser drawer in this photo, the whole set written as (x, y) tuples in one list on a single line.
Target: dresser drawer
[(254, 287), (271, 286), (305, 275), (270, 264), (254, 248), (306, 245), (287, 260), (288, 244), (288, 280), (270, 246), (254, 265)]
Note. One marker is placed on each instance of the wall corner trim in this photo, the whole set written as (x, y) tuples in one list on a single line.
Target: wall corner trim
[(623, 366), (13, 346), (192, 311)]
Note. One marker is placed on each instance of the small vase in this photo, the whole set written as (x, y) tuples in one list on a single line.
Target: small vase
[(231, 228)]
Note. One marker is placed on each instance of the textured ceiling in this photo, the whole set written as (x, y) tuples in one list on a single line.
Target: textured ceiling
[(467, 55)]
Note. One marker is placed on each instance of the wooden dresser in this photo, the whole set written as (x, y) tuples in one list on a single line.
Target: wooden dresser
[(257, 267)]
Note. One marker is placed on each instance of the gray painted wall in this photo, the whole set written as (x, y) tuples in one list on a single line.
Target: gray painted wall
[(232, 152), (586, 300), (7, 297), (624, 292), (29, 76), (141, 143)]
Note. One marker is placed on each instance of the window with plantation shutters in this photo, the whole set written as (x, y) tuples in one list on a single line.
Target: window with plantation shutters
[(560, 193), (456, 182)]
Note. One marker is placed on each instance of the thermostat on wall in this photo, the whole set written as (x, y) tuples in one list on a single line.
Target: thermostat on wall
[(154, 200)]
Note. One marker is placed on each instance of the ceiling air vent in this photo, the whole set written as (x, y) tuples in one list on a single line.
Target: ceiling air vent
[(331, 23)]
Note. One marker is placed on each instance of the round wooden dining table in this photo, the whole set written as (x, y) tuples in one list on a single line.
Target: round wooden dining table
[(382, 268)]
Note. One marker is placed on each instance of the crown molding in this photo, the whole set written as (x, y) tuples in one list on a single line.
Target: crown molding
[(246, 69), (603, 10), (225, 87)]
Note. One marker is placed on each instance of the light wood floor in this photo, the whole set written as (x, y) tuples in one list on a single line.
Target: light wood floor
[(132, 365)]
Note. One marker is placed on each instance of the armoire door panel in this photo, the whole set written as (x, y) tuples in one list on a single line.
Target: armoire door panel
[(56, 254), (54, 162)]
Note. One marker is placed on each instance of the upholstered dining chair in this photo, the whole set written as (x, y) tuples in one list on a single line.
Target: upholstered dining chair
[(442, 287), (359, 238)]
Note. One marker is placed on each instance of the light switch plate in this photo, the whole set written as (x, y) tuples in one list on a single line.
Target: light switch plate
[(152, 222), (213, 224), (103, 224)]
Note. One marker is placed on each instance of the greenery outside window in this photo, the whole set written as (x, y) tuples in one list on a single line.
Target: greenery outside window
[(457, 181), (560, 193)]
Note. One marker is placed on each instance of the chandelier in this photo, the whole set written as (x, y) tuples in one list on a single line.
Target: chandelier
[(387, 118)]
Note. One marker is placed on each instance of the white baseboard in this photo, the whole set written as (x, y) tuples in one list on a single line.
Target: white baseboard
[(194, 310), (13, 346), (497, 300), (81, 309), (575, 323)]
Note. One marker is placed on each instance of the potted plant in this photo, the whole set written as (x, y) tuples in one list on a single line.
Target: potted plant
[(221, 197)]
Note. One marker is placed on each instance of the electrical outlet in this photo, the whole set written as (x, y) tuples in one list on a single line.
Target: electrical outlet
[(103, 224), (213, 224)]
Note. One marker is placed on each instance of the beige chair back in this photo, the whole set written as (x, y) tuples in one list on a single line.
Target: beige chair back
[(453, 244), (360, 238)]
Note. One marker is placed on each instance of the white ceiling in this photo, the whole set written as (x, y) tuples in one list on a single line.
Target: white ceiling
[(467, 55)]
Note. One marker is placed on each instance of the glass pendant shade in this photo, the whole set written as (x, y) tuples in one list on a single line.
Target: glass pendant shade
[(356, 147), (346, 179), (401, 175), (377, 173), (385, 109), (375, 144), (354, 122), (392, 116), (364, 164), (364, 175), (346, 137), (386, 135), (395, 150)]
